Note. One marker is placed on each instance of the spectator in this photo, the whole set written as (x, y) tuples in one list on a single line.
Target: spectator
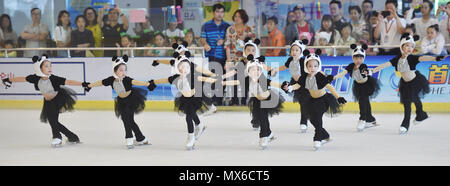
[(159, 41), (94, 22), (81, 38), (444, 24), (35, 34), (6, 31), (213, 36), (294, 31), (63, 32), (327, 26), (8, 44), (366, 39), (236, 34), (345, 40), (373, 22), (276, 38), (421, 23), (190, 40), (434, 43), (411, 30), (336, 13), (291, 18), (125, 41), (112, 29), (142, 28), (357, 23), (173, 31), (390, 29), (323, 39), (367, 6)]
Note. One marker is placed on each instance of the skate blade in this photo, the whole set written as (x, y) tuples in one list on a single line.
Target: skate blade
[(263, 147), (419, 122), (190, 148), (57, 146), (326, 141), (143, 144), (200, 134), (316, 148), (129, 147), (303, 131)]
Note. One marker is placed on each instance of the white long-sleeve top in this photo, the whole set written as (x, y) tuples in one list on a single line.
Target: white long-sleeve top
[(421, 26), (434, 46)]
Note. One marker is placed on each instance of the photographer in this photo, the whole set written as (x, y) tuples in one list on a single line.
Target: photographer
[(390, 28)]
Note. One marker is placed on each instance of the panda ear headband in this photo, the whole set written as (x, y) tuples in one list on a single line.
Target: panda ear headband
[(312, 56), (407, 38), (180, 48), (301, 44), (359, 51), (37, 62), (255, 43), (118, 61)]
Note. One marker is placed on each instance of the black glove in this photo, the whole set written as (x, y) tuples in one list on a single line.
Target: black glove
[(155, 63), (330, 78), (341, 100), (7, 83), (269, 73), (285, 83), (439, 58), (362, 72), (152, 85), (86, 87)]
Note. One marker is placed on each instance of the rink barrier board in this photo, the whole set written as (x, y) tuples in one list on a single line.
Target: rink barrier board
[(167, 106)]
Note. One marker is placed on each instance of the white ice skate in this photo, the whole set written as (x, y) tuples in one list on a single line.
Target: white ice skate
[(211, 110), (143, 142), (130, 143), (325, 141), (56, 142), (303, 128), (264, 141), (403, 131), (190, 142), (317, 145), (198, 131), (361, 125), (371, 124)]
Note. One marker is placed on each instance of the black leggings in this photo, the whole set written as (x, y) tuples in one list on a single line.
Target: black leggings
[(262, 116), (316, 121), (303, 115), (131, 126), (56, 126), (192, 118), (365, 110), (420, 114)]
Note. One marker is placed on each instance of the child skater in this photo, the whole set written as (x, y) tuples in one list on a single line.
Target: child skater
[(295, 64), (413, 85), (315, 81), (130, 101), (189, 99), (57, 98), (238, 69), (365, 86), (263, 102), (182, 50)]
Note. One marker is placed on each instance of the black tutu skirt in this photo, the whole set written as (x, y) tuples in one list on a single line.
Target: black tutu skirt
[(63, 101), (370, 88), (327, 104), (274, 104), (133, 103), (186, 105), (301, 95), (415, 89)]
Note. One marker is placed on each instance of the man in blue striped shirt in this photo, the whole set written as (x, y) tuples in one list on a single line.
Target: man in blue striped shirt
[(213, 35), (212, 38)]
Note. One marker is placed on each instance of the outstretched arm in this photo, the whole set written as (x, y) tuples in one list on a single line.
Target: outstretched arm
[(342, 74), (432, 58), (73, 83), (277, 69), (140, 83), (17, 79), (96, 84), (205, 71), (381, 67)]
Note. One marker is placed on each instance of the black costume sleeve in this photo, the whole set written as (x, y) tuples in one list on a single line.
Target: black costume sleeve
[(172, 78), (108, 81), (32, 78), (288, 62)]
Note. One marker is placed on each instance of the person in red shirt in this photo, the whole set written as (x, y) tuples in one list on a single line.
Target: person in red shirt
[(276, 38), (293, 31)]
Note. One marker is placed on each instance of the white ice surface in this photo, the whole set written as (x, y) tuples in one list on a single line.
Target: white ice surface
[(228, 140)]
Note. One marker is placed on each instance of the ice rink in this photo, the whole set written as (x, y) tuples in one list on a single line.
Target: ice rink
[(228, 140)]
